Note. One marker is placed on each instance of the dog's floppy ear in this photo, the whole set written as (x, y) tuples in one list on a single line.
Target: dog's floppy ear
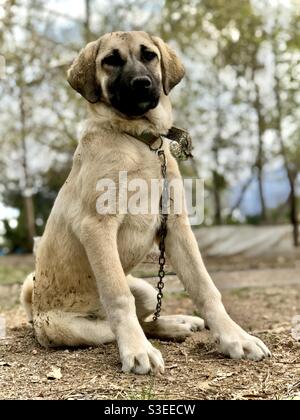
[(172, 68), (82, 74)]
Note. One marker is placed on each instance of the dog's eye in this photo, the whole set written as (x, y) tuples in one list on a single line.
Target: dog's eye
[(149, 55), (114, 60)]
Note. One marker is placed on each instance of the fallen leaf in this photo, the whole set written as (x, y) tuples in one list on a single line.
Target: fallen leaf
[(204, 385), (222, 376), (54, 374), (172, 367), (5, 364)]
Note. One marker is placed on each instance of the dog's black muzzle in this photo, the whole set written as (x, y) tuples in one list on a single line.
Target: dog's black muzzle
[(134, 94)]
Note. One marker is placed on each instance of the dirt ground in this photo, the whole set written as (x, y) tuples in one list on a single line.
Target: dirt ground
[(194, 369)]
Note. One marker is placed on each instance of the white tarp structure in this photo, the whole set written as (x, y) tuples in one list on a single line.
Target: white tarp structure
[(245, 240)]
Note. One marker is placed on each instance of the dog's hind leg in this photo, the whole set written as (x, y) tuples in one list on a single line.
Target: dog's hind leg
[(64, 329), (173, 327), (144, 295), (177, 327), (67, 329)]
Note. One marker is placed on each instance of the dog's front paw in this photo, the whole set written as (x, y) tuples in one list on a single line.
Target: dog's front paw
[(141, 359), (237, 344)]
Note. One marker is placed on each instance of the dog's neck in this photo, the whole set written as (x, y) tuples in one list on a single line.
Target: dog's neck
[(157, 121)]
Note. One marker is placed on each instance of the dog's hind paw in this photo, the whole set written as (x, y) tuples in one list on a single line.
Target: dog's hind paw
[(173, 327)]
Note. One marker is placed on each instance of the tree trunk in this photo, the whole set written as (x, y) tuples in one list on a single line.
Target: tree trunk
[(87, 21), (217, 143), (217, 200), (27, 193), (294, 213), (242, 194), (292, 177), (260, 157)]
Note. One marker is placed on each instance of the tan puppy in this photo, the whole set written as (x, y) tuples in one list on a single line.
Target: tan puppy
[(83, 292)]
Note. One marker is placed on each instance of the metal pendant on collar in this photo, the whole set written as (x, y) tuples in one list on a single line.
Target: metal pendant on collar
[(181, 143)]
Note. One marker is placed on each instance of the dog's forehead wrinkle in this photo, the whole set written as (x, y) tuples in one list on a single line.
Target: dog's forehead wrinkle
[(133, 38), (123, 36)]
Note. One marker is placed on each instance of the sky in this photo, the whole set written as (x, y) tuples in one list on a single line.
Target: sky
[(67, 6), (4, 212)]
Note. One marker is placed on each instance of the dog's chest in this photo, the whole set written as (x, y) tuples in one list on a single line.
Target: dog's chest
[(136, 238)]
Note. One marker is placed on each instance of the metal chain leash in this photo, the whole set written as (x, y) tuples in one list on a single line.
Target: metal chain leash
[(180, 148), (163, 230)]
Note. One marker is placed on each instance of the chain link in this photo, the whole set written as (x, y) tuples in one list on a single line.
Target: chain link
[(162, 233)]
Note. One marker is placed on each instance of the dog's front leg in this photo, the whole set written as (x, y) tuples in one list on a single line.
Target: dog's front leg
[(99, 238), (183, 251)]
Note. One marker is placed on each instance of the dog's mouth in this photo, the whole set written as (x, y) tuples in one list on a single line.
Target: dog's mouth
[(135, 108), (141, 108)]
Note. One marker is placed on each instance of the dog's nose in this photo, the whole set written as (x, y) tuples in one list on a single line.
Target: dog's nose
[(141, 83)]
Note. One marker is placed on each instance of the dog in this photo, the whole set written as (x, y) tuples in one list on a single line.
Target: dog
[(82, 292)]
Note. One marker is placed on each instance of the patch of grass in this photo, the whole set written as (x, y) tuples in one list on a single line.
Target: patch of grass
[(144, 274), (157, 344), (177, 295), (242, 293), (12, 275), (146, 393)]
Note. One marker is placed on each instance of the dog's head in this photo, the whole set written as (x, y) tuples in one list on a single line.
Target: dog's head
[(127, 70)]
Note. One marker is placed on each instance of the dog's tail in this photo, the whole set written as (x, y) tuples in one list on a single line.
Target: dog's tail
[(27, 296), (27, 288)]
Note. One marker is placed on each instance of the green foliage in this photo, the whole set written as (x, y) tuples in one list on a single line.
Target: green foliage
[(13, 274)]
